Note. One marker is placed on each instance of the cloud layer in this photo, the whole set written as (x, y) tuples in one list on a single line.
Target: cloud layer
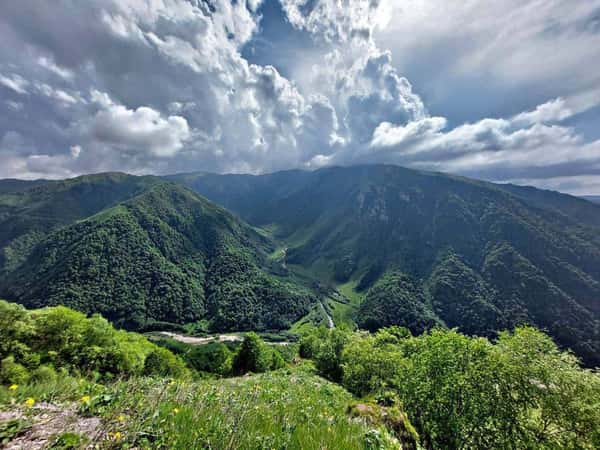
[(165, 86)]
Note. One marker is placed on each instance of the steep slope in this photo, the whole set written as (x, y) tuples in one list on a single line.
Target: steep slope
[(10, 185), (450, 235), (31, 209), (592, 198), (396, 300), (166, 255)]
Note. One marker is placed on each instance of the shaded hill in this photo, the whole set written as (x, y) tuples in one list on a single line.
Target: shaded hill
[(421, 248), (29, 210), (165, 255), (592, 198), (485, 256)]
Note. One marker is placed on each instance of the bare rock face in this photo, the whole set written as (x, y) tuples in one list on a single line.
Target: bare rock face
[(45, 422)]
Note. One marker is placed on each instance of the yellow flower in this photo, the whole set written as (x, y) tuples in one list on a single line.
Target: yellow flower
[(29, 402), (85, 399), (121, 418), (175, 410), (116, 435), (13, 387)]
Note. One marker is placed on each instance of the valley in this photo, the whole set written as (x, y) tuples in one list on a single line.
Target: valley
[(299, 225), (330, 309), (365, 246)]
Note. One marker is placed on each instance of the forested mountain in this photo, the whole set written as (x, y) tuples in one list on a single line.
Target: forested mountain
[(165, 255), (469, 254), (418, 249), (592, 198), (29, 210)]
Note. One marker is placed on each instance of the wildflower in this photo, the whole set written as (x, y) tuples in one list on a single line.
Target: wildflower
[(121, 418), (29, 402), (175, 410), (85, 399), (115, 436), (13, 387)]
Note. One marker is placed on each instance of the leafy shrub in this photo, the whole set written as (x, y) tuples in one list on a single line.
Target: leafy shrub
[(253, 356), (328, 353), (462, 392), (162, 362), (213, 358), (277, 361), (58, 337), (12, 372), (368, 366), (309, 343), (44, 374)]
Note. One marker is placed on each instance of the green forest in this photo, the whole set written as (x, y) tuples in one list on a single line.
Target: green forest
[(368, 246), (335, 388), (369, 307)]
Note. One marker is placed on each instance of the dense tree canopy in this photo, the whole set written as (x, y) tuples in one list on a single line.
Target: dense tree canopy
[(165, 256), (59, 338), (519, 391)]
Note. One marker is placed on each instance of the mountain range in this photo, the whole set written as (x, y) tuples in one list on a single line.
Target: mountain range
[(373, 245)]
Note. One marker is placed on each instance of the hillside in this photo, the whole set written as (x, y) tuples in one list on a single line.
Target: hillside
[(484, 257), (68, 381), (388, 246), (165, 255), (593, 198), (29, 210)]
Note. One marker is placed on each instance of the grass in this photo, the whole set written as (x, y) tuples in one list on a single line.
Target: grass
[(341, 305), (344, 308), (277, 254), (287, 409), (348, 290), (315, 317)]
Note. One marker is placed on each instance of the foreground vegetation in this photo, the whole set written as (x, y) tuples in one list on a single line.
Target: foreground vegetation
[(461, 392), (291, 409), (78, 381)]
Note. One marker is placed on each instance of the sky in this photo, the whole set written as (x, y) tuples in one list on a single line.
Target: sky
[(504, 90)]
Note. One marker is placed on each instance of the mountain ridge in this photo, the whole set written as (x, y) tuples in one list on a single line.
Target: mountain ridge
[(399, 243), (165, 255), (360, 223)]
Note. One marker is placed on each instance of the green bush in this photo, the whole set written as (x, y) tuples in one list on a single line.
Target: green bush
[(328, 354), (12, 372), (44, 374), (253, 356), (462, 392), (162, 362), (310, 341), (65, 339), (16, 329), (369, 366), (277, 361), (213, 358)]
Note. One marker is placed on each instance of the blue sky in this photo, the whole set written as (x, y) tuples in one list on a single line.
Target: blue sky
[(507, 91)]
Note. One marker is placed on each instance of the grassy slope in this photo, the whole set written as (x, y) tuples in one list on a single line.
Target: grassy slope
[(290, 408)]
